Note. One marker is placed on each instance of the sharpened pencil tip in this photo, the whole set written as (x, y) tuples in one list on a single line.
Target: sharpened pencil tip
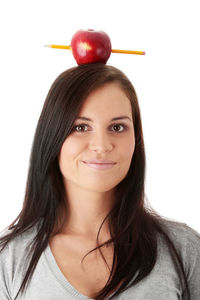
[(47, 46)]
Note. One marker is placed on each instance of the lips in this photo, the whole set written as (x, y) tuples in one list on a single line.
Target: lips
[(99, 161), (99, 164)]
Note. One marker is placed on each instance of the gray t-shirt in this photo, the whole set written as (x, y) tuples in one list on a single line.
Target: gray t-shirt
[(49, 283)]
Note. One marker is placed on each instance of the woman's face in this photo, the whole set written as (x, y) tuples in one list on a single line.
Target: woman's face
[(100, 138)]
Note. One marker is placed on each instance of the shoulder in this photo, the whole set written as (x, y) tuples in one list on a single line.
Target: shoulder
[(21, 240), (12, 257), (181, 233), (13, 260), (187, 243)]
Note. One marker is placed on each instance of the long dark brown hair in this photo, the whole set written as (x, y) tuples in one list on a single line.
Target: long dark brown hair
[(133, 226)]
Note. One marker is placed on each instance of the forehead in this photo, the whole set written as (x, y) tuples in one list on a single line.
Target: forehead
[(109, 99)]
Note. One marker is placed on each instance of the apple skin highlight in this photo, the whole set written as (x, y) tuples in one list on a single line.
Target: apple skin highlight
[(91, 46)]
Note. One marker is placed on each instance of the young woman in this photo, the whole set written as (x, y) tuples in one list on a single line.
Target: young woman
[(85, 231)]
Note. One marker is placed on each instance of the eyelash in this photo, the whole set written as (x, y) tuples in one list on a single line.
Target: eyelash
[(83, 124)]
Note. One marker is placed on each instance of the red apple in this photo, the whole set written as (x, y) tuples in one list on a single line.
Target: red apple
[(91, 46)]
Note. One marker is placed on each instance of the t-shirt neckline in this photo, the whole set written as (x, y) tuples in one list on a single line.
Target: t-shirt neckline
[(60, 276)]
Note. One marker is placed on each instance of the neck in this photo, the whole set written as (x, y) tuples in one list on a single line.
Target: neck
[(85, 211)]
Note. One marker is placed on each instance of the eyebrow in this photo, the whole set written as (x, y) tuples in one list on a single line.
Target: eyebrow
[(113, 119)]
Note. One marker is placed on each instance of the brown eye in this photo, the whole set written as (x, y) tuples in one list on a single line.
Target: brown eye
[(117, 127), (78, 127)]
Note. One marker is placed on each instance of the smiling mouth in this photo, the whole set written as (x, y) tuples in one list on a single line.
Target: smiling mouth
[(100, 166)]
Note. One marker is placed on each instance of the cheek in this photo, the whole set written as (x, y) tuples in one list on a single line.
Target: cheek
[(126, 157), (66, 154), (70, 148), (69, 152), (127, 148)]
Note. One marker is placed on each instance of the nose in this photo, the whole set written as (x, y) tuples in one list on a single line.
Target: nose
[(100, 142)]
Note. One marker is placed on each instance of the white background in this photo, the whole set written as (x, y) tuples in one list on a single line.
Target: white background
[(166, 80)]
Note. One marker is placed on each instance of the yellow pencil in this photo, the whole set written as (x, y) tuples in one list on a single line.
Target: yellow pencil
[(128, 51), (59, 46), (113, 50)]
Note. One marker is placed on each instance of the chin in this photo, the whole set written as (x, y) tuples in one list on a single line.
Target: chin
[(101, 187)]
